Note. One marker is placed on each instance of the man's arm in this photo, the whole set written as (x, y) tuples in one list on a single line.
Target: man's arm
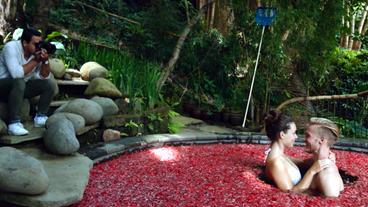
[(45, 68), (30, 66), (12, 63)]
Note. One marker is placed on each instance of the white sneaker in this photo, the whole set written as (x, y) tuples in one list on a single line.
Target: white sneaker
[(17, 129), (40, 121)]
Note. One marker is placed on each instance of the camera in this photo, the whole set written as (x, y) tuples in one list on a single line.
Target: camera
[(50, 48)]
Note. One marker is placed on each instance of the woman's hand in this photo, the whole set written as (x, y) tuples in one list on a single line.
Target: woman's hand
[(324, 150), (320, 165), (332, 157)]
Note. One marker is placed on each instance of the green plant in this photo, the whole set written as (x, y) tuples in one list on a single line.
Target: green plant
[(133, 127), (132, 124), (174, 127), (154, 121), (136, 78), (351, 129)]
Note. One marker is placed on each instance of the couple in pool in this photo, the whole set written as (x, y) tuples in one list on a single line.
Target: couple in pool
[(321, 173)]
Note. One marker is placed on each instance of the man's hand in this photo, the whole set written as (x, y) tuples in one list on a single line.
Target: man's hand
[(41, 55)]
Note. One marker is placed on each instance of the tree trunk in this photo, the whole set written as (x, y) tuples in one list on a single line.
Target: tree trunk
[(224, 17), (169, 67), (357, 43), (352, 30), (254, 4), (8, 11), (40, 15)]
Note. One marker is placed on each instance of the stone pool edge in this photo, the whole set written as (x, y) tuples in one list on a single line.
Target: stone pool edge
[(106, 151)]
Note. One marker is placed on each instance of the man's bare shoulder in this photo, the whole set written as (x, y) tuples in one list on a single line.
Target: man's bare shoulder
[(329, 181)]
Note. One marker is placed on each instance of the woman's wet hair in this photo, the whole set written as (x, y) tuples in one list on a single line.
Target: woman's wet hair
[(276, 122)]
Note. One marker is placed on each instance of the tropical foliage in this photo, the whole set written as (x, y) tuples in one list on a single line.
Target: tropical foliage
[(300, 55)]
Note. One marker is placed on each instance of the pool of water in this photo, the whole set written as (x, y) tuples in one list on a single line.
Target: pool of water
[(211, 175)]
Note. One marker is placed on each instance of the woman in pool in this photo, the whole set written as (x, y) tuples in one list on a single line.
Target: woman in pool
[(280, 168)]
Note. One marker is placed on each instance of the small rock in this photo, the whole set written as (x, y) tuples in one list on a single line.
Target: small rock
[(110, 135)]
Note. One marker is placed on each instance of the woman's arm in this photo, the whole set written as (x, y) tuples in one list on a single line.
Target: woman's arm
[(306, 181), (281, 177), (278, 173), (303, 164)]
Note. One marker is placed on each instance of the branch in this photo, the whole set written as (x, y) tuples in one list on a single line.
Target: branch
[(175, 55), (79, 37), (108, 13), (328, 97)]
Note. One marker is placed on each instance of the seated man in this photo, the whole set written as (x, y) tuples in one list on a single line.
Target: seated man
[(320, 135), (24, 73)]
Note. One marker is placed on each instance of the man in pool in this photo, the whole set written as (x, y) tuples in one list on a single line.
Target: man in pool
[(320, 135)]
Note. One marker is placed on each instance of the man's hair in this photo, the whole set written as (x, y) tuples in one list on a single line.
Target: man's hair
[(326, 128), (28, 33)]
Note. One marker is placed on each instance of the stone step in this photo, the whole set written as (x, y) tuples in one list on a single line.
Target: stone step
[(58, 103), (75, 82), (34, 133), (73, 88)]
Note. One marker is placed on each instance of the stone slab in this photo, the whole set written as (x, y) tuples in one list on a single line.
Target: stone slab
[(68, 178), (186, 121), (34, 133), (74, 82), (58, 103), (87, 128)]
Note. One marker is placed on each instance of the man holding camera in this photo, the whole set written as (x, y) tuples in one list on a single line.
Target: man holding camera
[(25, 73)]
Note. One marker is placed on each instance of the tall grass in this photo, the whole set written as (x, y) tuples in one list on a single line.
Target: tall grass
[(135, 78)]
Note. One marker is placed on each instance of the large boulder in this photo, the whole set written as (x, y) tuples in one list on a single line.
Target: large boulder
[(21, 173), (60, 138), (92, 70), (57, 67), (102, 87), (68, 179), (77, 120), (108, 105), (89, 110)]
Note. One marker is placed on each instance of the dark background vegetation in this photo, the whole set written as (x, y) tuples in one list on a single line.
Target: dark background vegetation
[(312, 48)]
